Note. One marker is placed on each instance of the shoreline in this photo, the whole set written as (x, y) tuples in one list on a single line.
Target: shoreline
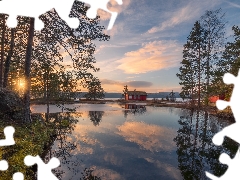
[(211, 109)]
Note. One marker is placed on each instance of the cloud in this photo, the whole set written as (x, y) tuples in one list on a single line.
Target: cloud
[(152, 56), (105, 45), (139, 83), (192, 11), (150, 137), (131, 84), (182, 15), (111, 82), (233, 4)]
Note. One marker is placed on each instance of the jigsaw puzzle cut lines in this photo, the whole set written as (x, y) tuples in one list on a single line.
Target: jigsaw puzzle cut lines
[(18, 176), (9, 140), (63, 8), (44, 170), (3, 165), (231, 131), (101, 4)]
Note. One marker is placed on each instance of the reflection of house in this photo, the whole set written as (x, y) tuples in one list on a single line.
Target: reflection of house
[(134, 109), (133, 106), (136, 95)]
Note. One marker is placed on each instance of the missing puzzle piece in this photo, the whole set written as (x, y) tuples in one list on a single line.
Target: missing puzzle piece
[(101, 4), (231, 131), (44, 170), (34, 8), (3, 165), (232, 172), (9, 140)]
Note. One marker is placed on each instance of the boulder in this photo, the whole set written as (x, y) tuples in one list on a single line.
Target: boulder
[(11, 105)]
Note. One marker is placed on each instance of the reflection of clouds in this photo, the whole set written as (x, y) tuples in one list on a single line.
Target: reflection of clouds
[(110, 157), (149, 137), (82, 139), (107, 174), (167, 168)]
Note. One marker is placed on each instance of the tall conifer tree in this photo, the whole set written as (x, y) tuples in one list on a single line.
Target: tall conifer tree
[(191, 71)]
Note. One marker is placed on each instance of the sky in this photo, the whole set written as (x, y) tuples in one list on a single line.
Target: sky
[(146, 41)]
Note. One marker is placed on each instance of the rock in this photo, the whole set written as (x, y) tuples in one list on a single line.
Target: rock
[(11, 105)]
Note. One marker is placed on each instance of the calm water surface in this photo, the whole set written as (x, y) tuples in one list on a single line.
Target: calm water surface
[(110, 142)]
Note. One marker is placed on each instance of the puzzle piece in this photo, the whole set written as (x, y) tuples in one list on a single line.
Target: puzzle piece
[(8, 141), (18, 176), (3, 165), (44, 170), (231, 131), (232, 172), (8, 132), (34, 8), (101, 4)]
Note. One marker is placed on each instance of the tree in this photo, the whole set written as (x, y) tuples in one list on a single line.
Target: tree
[(8, 60), (229, 63), (192, 67), (2, 48), (125, 91), (27, 69), (172, 96), (213, 24), (95, 90), (58, 37)]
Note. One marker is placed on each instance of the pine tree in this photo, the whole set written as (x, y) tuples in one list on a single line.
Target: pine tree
[(213, 23), (229, 63), (190, 75)]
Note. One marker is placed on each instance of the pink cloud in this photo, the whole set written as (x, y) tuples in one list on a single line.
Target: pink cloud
[(151, 57)]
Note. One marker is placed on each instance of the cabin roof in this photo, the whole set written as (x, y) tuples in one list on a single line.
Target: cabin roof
[(137, 93)]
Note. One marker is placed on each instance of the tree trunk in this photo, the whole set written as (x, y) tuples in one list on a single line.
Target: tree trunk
[(8, 59), (199, 77), (2, 51), (208, 70), (26, 95), (48, 96)]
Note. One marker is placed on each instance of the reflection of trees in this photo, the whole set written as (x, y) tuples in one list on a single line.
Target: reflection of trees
[(64, 124), (95, 117), (134, 109), (196, 152), (62, 146)]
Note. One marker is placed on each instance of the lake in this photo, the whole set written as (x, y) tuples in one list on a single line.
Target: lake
[(126, 142)]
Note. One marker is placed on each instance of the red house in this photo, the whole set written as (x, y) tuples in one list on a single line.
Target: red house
[(136, 95), (213, 99)]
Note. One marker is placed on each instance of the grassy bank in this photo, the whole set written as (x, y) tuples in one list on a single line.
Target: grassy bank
[(31, 139)]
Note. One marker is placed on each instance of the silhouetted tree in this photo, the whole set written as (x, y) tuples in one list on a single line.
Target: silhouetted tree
[(95, 90)]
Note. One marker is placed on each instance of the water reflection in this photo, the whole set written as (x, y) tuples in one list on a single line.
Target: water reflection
[(195, 150), (136, 109), (95, 117), (158, 143)]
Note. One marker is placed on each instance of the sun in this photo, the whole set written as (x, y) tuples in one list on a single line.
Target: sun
[(21, 83)]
